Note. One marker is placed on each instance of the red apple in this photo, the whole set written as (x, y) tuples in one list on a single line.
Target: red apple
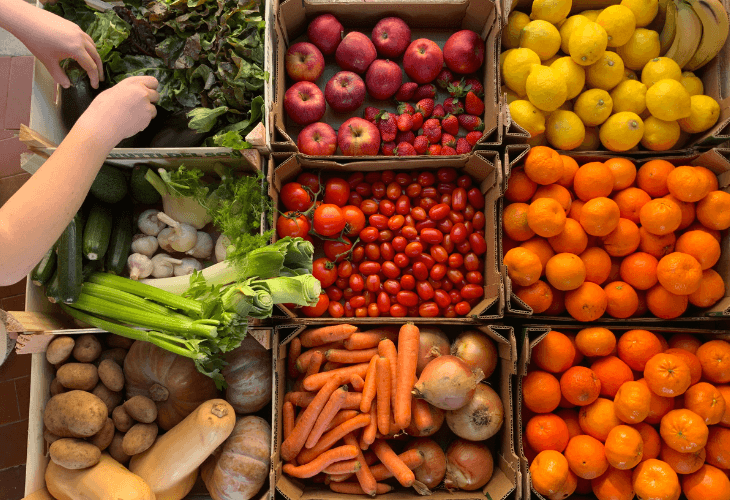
[(383, 79), (423, 60), (325, 32), (391, 37), (345, 92), (304, 103), (358, 137), (317, 139), (304, 62), (355, 53), (464, 52)]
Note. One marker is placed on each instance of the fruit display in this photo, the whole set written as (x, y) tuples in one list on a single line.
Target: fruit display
[(615, 78), (617, 415), (605, 239), (436, 109)]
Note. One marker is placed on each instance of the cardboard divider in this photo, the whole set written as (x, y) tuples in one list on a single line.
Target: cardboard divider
[(433, 19), (506, 462), (483, 166)]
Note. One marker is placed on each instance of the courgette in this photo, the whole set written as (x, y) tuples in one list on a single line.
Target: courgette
[(90, 267), (142, 190), (120, 242), (43, 271), (110, 185), (97, 231), (52, 289), (70, 261)]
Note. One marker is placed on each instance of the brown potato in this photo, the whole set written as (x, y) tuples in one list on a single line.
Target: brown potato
[(118, 341), (75, 414), (59, 350), (82, 376), (116, 450), (111, 375), (56, 387), (87, 348), (122, 421), (117, 355), (49, 436), (139, 438), (111, 399), (142, 409), (103, 438), (74, 453)]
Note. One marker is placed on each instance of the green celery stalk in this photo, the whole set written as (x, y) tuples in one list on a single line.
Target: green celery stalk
[(303, 290), (128, 300), (248, 300)]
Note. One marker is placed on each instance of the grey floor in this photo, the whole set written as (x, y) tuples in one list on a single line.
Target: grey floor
[(10, 46)]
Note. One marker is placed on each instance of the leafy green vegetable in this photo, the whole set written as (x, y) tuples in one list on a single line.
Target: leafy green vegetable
[(108, 31)]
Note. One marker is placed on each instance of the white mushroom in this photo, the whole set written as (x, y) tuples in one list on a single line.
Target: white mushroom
[(144, 244), (163, 239), (184, 236), (149, 223), (203, 247), (163, 265), (140, 266), (221, 248), (187, 266)]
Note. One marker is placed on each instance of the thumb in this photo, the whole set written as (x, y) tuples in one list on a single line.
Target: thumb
[(59, 75)]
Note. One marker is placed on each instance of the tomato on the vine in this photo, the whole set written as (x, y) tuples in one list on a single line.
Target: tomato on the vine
[(292, 224), (310, 181), (325, 271), (295, 197), (334, 248), (354, 219), (318, 309), (328, 220), (337, 192)]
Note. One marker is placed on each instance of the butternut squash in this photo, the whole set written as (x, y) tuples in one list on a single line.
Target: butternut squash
[(179, 490), (182, 449), (41, 494), (106, 480)]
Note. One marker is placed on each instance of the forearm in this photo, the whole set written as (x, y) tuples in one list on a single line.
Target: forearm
[(16, 16)]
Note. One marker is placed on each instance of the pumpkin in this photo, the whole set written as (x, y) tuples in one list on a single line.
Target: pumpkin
[(241, 467), (171, 381), (248, 375)]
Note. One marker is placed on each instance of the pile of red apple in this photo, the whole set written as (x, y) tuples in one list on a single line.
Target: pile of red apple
[(449, 128)]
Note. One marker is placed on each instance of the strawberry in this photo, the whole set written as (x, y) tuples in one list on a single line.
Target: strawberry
[(387, 126), (448, 140), (417, 121), (425, 107), (405, 149), (405, 109), (438, 112), (473, 137), (432, 130), (406, 91), (473, 105), (450, 124), (453, 106), (421, 144), (408, 137), (405, 122), (474, 85), (434, 150), (462, 146), (455, 88), (370, 114), (448, 151), (444, 78), (388, 148), (427, 91), (471, 122)]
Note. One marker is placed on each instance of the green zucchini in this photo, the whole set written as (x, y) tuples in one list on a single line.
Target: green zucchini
[(90, 267), (43, 271), (120, 242), (97, 231), (52, 289), (70, 261), (110, 185), (142, 190)]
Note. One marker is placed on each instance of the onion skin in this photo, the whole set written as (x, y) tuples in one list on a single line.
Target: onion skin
[(432, 344), (469, 465), (437, 414), (481, 418), (433, 470), (448, 383), (477, 350)]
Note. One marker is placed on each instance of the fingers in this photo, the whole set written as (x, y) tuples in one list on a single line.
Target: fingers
[(91, 49), (88, 64), (153, 110), (153, 95), (59, 76), (148, 81)]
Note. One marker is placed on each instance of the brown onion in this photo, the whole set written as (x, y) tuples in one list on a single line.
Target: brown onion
[(432, 472), (477, 350), (447, 383), (432, 344), (481, 418), (469, 465), (437, 415)]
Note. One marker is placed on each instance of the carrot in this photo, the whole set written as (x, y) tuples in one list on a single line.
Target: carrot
[(322, 461), (370, 458), (383, 391), (421, 415), (370, 338), (345, 467), (298, 385), (368, 435), (338, 478), (314, 364), (287, 413), (331, 365), (318, 380), (357, 383), (408, 340), (329, 439), (350, 357), (364, 476), (371, 379), (356, 489), (294, 443), (342, 416), (393, 463), (412, 459), (295, 349), (303, 399), (320, 336), (326, 415), (305, 357), (387, 349)]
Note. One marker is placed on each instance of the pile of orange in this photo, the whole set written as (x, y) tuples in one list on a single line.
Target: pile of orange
[(634, 416), (606, 238)]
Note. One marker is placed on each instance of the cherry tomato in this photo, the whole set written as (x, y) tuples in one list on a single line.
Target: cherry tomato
[(455, 296), (373, 311), (446, 188), (476, 198), (409, 221), (337, 192), (456, 217), (478, 244), (462, 308), (334, 293), (449, 312), (439, 211), (432, 236), (401, 260), (420, 271), (438, 271), (454, 276), (403, 205), (357, 301), (472, 292), (458, 199), (334, 248), (349, 311), (378, 221), (428, 310), (447, 285), (390, 270), (407, 298), (387, 208), (369, 267), (387, 176), (348, 293), (328, 220), (361, 312), (430, 192), (424, 290), (413, 190), (369, 207), (439, 253), (336, 310), (446, 174), (309, 180), (409, 232), (393, 191), (378, 190), (364, 190), (445, 226), (425, 224), (448, 244), (358, 253), (342, 283), (354, 218), (471, 262), (469, 212), (317, 310), (469, 227), (391, 286), (464, 247), (396, 222), (479, 220), (419, 214), (398, 311), (372, 283), (456, 260), (372, 251), (399, 243), (295, 197), (426, 179), (292, 224), (458, 233), (426, 259), (413, 249), (445, 199), (355, 179), (369, 234), (442, 298), (427, 203), (407, 282), (385, 235), (357, 283), (355, 199), (464, 181), (383, 302), (386, 251), (325, 271), (474, 277), (403, 179)]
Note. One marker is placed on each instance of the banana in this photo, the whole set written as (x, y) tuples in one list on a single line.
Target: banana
[(689, 34), (669, 32), (715, 28), (661, 15)]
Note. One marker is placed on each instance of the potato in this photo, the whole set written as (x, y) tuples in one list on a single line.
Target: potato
[(116, 450), (49, 436), (103, 438), (118, 341), (82, 376), (139, 438), (122, 421), (75, 414), (56, 387), (142, 409), (59, 350), (111, 375), (87, 348), (111, 399), (117, 355), (74, 453)]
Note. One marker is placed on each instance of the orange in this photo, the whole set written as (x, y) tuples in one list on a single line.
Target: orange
[(575, 209), (718, 447), (687, 184), (713, 211), (595, 341), (630, 201), (546, 432), (652, 177), (586, 457), (624, 172), (557, 306), (549, 472), (593, 180), (573, 239), (631, 403), (546, 217), (662, 341), (519, 187), (652, 440), (658, 406), (540, 392), (643, 308), (639, 270), (583, 488), (679, 273), (578, 357), (508, 244), (656, 245), (683, 463), (571, 483), (685, 341), (687, 209), (711, 290), (710, 175), (612, 372), (715, 358), (543, 165), (598, 264), (598, 418), (623, 240), (695, 368), (514, 222), (588, 302), (523, 266), (580, 385), (541, 248), (684, 431), (615, 274), (555, 192), (725, 391), (600, 216), (624, 447), (660, 216), (570, 167), (570, 417), (529, 453), (654, 479), (667, 375), (700, 245), (554, 353), (697, 226), (537, 296), (614, 484), (708, 483), (664, 304), (706, 401), (623, 300), (565, 271), (636, 347)]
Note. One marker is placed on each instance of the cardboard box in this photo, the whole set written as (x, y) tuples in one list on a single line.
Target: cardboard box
[(483, 166), (505, 477), (717, 160), (433, 19)]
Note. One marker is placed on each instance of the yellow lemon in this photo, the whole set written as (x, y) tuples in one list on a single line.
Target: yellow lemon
[(587, 43), (621, 131), (574, 74), (642, 47), (660, 135), (704, 112), (591, 142), (527, 116), (684, 138), (542, 38), (629, 74), (567, 28), (693, 84), (660, 68), (512, 32), (619, 23), (546, 88), (605, 73), (552, 11), (629, 95), (549, 62), (592, 15), (517, 66), (668, 100), (537, 140), (509, 94), (564, 130), (502, 57), (644, 10), (593, 107)]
